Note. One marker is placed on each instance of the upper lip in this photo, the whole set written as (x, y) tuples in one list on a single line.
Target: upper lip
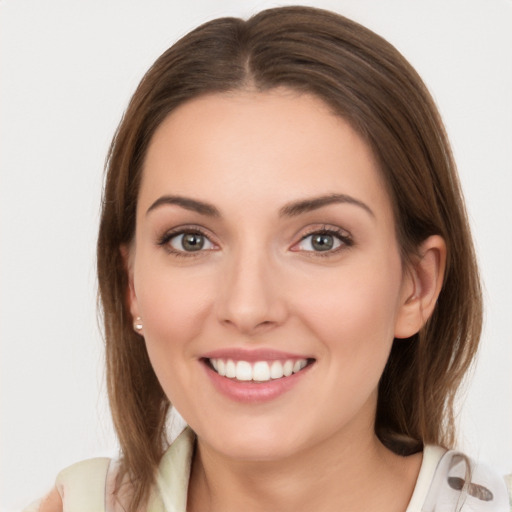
[(253, 355)]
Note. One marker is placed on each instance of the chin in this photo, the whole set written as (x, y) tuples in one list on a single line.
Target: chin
[(258, 443), (258, 451)]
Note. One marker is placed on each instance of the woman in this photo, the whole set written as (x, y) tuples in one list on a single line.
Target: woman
[(284, 256)]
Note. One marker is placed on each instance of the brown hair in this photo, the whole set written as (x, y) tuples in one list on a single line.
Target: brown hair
[(365, 80)]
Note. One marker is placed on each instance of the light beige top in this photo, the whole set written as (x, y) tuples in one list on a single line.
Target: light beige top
[(87, 486)]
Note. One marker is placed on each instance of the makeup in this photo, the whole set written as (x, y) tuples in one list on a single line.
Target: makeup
[(256, 375)]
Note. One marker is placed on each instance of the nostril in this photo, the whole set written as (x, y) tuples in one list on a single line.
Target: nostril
[(248, 326)]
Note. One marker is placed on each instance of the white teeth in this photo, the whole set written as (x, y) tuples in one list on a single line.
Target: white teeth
[(260, 371), (297, 367), (288, 368), (230, 369), (243, 370), (276, 370)]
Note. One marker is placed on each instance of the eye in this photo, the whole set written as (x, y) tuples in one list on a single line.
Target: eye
[(324, 241), (186, 242), (319, 242), (190, 242)]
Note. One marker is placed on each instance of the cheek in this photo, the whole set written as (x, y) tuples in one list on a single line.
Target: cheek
[(353, 296), (173, 313), (174, 309), (171, 302), (354, 313)]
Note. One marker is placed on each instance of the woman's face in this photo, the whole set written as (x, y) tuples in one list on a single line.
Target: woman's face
[(267, 273)]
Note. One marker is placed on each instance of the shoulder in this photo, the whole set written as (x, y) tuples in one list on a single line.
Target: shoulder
[(80, 487), (461, 483)]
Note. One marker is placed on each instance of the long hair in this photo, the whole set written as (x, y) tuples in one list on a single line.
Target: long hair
[(365, 80)]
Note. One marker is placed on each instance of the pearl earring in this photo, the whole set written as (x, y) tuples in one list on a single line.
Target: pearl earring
[(137, 324)]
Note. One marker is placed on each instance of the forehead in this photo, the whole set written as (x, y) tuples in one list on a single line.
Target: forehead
[(270, 146)]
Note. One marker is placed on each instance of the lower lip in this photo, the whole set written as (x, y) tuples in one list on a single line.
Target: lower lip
[(254, 392)]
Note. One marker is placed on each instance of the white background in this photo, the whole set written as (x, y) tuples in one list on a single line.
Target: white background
[(68, 69)]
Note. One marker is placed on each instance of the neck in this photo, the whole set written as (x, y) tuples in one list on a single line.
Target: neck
[(338, 474)]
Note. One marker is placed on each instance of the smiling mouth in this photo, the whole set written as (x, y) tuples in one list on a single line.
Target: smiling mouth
[(258, 371)]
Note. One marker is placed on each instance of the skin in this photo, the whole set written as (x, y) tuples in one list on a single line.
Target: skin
[(258, 282)]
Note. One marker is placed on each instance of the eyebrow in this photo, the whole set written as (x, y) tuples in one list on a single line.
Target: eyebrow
[(314, 203), (187, 203), (289, 210)]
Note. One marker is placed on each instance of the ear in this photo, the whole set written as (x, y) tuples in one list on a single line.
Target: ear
[(422, 283), (131, 298)]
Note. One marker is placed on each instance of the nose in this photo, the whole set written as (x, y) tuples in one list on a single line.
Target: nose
[(251, 297)]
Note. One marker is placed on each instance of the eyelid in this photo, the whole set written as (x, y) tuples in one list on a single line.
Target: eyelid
[(164, 239), (341, 234)]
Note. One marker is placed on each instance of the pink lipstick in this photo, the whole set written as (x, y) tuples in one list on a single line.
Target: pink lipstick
[(256, 375)]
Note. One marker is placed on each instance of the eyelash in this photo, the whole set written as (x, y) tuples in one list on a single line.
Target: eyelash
[(165, 239), (344, 237)]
